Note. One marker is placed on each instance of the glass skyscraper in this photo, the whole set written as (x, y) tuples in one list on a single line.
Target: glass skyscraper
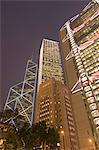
[(53, 104), (81, 34), (50, 62)]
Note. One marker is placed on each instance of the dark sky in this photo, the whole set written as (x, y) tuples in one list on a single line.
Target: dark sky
[(24, 24)]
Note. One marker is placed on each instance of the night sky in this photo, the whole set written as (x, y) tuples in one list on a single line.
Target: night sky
[(24, 24)]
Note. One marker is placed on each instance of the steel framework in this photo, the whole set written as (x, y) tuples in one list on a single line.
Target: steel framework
[(86, 82), (22, 95)]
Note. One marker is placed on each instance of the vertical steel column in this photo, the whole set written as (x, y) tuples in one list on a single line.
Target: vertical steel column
[(83, 76)]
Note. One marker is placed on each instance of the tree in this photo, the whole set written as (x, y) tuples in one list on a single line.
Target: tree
[(41, 133), (10, 136), (45, 135), (25, 133), (8, 114), (21, 134), (52, 138)]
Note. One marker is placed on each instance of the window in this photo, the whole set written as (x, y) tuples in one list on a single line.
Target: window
[(96, 121), (87, 88), (95, 113), (84, 79), (92, 106), (71, 123), (90, 100), (88, 94)]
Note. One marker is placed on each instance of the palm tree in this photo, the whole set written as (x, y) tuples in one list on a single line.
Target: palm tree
[(10, 136), (25, 135), (8, 114), (52, 138), (41, 132), (13, 138), (45, 135)]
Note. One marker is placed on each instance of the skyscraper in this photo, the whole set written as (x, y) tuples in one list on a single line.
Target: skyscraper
[(53, 105), (79, 41), (50, 62), (22, 95)]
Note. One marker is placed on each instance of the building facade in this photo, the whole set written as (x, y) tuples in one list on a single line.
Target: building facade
[(79, 42), (50, 62), (54, 107), (51, 104), (22, 95)]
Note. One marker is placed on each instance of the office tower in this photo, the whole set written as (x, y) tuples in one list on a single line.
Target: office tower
[(22, 95), (53, 95), (50, 62), (54, 106), (79, 42)]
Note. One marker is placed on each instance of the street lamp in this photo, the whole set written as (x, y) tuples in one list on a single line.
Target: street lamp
[(62, 132), (1, 141), (90, 141), (58, 146)]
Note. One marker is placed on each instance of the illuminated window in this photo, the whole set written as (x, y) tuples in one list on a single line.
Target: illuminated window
[(97, 98), (51, 111), (88, 94), (68, 105), (90, 100), (80, 67), (69, 109), (71, 128), (79, 63), (84, 79), (69, 113), (71, 123), (81, 71), (71, 118), (95, 113), (92, 106), (96, 92), (87, 88), (96, 121)]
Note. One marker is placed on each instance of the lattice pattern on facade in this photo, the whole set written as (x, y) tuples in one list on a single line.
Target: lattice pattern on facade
[(22, 95), (87, 60)]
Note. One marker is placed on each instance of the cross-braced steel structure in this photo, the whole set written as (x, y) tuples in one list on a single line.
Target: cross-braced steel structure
[(22, 95)]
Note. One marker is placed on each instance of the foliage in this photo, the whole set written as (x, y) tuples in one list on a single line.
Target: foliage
[(40, 130), (23, 135), (53, 138), (7, 114), (10, 136)]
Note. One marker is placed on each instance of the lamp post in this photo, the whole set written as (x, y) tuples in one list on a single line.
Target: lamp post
[(58, 146), (1, 141), (62, 133), (1, 144)]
